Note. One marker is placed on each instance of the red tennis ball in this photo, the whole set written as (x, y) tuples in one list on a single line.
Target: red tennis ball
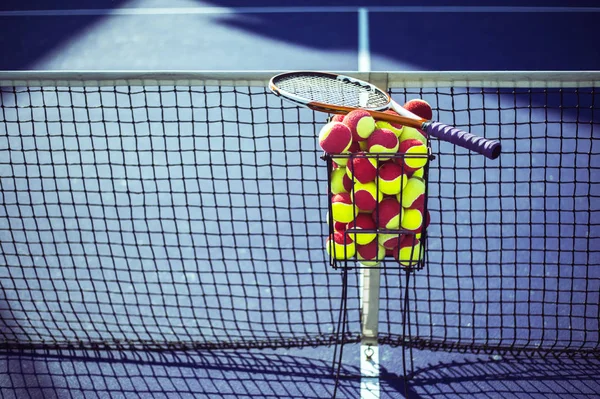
[(388, 214), (393, 126), (339, 226), (337, 118), (409, 133), (419, 107), (413, 195), (340, 182), (335, 138), (361, 124), (340, 246), (409, 251), (343, 160), (370, 254), (342, 208), (366, 196), (416, 155), (392, 178), (418, 173), (389, 241), (413, 220), (354, 147), (383, 141), (362, 168), (363, 222)]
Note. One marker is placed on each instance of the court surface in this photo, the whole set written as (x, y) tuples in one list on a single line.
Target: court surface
[(219, 35)]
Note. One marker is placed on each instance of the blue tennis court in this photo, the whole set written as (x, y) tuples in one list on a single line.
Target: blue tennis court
[(193, 215)]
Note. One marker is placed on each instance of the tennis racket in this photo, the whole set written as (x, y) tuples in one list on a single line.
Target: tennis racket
[(339, 94)]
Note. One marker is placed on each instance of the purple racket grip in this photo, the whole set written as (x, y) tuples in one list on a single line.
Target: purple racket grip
[(488, 148)]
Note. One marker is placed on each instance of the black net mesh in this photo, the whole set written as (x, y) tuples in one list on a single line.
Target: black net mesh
[(195, 217), (162, 216)]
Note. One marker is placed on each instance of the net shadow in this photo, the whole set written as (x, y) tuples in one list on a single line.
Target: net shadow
[(508, 377), (211, 374)]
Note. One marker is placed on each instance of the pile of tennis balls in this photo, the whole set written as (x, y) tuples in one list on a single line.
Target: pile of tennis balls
[(375, 190)]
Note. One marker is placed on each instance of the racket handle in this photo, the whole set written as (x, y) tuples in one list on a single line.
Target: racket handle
[(489, 148)]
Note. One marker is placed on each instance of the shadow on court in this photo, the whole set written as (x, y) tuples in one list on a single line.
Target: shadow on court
[(522, 377), (25, 40), (544, 41), (214, 374)]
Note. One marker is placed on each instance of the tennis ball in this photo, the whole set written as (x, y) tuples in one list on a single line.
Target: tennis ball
[(419, 173), (340, 182), (383, 141), (391, 178), (342, 208), (409, 133), (337, 226), (370, 254), (389, 241), (361, 124), (343, 161), (388, 214), (362, 168), (337, 118), (335, 138), (394, 127), (413, 195), (389, 252), (340, 246), (366, 196), (354, 147), (409, 251), (413, 220), (413, 147), (364, 145), (364, 222), (420, 108)]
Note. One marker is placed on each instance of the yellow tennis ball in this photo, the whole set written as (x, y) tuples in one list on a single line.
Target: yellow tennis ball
[(389, 240), (383, 141), (396, 128), (362, 168), (413, 195), (335, 138), (409, 133), (340, 182), (343, 160), (361, 124), (370, 254), (415, 154), (389, 214), (392, 178), (363, 221), (419, 173), (337, 226), (340, 246), (366, 196), (342, 208), (412, 220), (409, 252)]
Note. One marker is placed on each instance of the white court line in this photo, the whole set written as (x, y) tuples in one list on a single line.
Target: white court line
[(369, 370), (279, 10), (364, 53)]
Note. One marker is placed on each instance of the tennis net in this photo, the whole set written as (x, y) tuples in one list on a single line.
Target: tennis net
[(188, 210)]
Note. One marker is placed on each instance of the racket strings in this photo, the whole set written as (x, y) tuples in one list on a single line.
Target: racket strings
[(333, 91)]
